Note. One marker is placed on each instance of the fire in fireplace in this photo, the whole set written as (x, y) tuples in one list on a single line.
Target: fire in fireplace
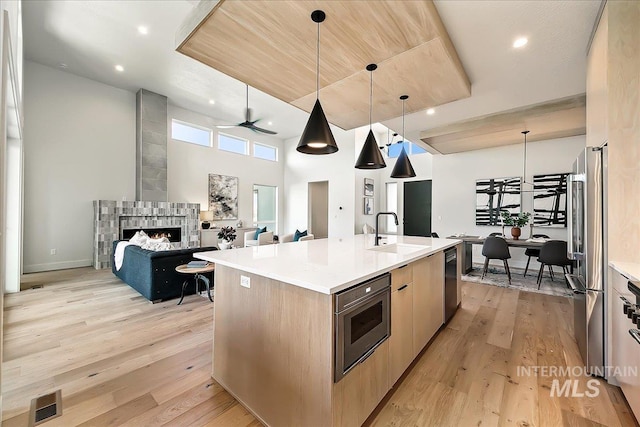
[(174, 234)]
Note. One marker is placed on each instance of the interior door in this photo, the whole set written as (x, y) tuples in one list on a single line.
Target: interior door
[(417, 208)]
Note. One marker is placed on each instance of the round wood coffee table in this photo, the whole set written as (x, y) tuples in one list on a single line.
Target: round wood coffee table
[(198, 274)]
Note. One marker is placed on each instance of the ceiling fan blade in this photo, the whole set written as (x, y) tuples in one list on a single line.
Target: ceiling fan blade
[(259, 129)]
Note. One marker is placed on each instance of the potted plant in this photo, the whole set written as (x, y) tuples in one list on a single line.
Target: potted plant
[(227, 235), (515, 222)]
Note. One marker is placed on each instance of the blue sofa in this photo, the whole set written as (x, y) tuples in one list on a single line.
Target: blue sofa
[(153, 273)]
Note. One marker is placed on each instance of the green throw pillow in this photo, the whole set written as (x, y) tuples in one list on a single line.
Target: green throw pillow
[(298, 235), (258, 231)]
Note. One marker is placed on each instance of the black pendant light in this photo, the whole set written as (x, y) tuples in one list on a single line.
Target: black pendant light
[(403, 168), (370, 156), (317, 137)]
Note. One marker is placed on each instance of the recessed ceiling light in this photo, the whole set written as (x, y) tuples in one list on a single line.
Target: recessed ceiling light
[(270, 123), (520, 42), (212, 101), (143, 30), (431, 111), (119, 68)]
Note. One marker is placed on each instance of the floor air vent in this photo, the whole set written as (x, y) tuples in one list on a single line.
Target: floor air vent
[(45, 407)]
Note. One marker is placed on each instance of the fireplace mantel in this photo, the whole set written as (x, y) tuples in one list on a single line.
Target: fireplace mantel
[(111, 215)]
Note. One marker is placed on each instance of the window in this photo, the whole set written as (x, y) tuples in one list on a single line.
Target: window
[(233, 144), (265, 207), (409, 147), (187, 132), (391, 205), (265, 152)]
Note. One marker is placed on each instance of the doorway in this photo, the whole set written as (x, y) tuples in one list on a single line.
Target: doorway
[(319, 209), (417, 208)]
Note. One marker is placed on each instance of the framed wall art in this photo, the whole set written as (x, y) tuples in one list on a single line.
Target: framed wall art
[(368, 206), (223, 196), (368, 187), (550, 200), (495, 195)]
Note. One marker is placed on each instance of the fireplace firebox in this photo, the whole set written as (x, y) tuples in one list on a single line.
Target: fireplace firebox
[(174, 234)]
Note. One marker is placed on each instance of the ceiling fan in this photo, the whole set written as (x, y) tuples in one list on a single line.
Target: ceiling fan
[(248, 123)]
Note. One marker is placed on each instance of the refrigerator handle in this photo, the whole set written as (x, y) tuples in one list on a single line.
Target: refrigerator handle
[(570, 225)]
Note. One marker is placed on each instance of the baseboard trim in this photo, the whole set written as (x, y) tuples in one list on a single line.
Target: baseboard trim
[(51, 266)]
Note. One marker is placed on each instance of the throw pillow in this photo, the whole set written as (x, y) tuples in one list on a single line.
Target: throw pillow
[(139, 239), (258, 231), (299, 234)]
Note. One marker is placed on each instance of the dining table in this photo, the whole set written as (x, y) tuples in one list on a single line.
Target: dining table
[(469, 241)]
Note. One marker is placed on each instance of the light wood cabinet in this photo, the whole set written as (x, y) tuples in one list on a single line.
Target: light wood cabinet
[(428, 299), (358, 393), (401, 339), (597, 111)]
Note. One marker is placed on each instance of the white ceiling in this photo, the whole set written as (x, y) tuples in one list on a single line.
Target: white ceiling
[(92, 36)]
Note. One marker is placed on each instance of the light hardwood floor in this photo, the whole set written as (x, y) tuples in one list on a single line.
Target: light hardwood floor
[(120, 360)]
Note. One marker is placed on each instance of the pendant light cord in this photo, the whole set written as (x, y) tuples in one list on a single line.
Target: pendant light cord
[(370, 98), (403, 122), (524, 169), (318, 64)]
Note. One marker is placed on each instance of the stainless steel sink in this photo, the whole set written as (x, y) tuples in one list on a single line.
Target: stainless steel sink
[(399, 248)]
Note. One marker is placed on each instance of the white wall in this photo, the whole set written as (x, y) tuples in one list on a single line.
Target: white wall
[(455, 175), (79, 146), (189, 167), (337, 168)]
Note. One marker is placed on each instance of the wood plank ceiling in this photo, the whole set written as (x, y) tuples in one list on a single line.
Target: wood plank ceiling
[(271, 45), (559, 118)]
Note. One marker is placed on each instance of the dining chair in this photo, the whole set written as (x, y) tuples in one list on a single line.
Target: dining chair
[(496, 248), (534, 252), (554, 252), (495, 235), (435, 235)]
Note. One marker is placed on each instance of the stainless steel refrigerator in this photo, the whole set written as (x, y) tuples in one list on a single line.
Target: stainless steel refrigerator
[(586, 220)]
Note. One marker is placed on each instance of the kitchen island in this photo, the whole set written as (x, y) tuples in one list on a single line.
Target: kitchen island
[(274, 343)]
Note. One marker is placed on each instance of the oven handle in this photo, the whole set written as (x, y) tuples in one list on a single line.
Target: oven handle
[(635, 334), (364, 298)]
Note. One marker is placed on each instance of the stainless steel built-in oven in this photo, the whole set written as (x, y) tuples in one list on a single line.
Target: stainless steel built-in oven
[(362, 322)]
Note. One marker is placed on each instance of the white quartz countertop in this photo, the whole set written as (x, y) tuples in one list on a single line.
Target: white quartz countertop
[(629, 269), (326, 265)]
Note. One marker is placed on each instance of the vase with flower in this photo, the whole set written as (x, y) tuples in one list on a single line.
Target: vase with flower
[(515, 221), (227, 235)]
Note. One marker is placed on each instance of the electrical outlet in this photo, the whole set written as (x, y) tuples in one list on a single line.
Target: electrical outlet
[(53, 251), (245, 282)]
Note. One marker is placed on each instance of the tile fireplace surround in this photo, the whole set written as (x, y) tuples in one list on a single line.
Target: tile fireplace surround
[(110, 217)]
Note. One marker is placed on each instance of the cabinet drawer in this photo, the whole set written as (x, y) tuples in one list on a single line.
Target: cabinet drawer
[(401, 276)]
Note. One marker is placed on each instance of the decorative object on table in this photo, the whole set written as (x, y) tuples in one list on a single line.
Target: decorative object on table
[(206, 217), (368, 206), (317, 137), (197, 264), (403, 167), (550, 200), (495, 195), (239, 224), (223, 196), (227, 235), (370, 156), (368, 187), (515, 222)]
